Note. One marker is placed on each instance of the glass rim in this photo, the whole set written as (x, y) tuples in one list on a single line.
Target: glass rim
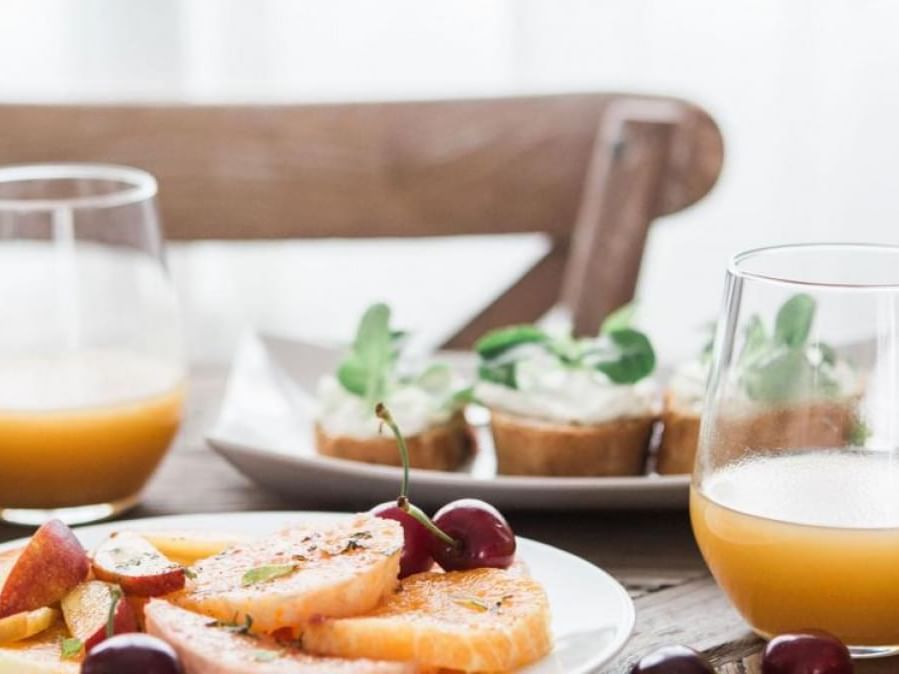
[(734, 264), (138, 185)]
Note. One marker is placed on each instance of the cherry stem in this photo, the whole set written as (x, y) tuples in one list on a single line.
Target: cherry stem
[(115, 594), (403, 502), (384, 415)]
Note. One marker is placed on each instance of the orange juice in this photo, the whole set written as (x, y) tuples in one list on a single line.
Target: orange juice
[(84, 430), (806, 541)]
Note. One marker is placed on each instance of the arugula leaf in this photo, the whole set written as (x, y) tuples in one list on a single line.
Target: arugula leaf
[(261, 574), (70, 648), (620, 319), (794, 320), (497, 342), (365, 371), (635, 358)]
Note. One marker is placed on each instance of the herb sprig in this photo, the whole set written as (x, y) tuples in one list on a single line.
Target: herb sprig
[(623, 354), (370, 368), (786, 364)]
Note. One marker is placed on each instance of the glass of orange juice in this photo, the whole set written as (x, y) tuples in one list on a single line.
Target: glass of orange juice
[(795, 495), (92, 376)]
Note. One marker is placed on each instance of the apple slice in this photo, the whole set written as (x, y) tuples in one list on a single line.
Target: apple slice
[(130, 561), (189, 547), (27, 624), (49, 567), (86, 611)]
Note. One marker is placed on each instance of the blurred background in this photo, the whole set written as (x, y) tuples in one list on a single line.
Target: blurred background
[(804, 92)]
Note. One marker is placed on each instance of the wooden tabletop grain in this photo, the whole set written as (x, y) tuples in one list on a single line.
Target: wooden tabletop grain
[(651, 553)]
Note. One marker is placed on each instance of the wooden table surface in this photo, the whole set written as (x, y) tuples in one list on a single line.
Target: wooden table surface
[(652, 553)]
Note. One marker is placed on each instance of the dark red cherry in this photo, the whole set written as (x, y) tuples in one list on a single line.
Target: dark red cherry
[(807, 652), (416, 556), (133, 653), (482, 535), (673, 660)]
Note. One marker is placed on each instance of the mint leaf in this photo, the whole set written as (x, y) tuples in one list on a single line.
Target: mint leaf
[(499, 373), (794, 320), (620, 319), (634, 360), (497, 342), (366, 370), (70, 648), (262, 574)]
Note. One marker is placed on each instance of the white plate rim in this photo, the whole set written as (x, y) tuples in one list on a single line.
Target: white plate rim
[(625, 626)]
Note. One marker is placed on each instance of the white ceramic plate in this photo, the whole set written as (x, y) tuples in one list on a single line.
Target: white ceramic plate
[(592, 615), (265, 430)]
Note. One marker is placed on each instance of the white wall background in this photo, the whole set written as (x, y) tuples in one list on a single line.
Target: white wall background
[(806, 92)]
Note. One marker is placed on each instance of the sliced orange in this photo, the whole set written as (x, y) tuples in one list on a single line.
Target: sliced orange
[(484, 620), (26, 624), (41, 654), (336, 569)]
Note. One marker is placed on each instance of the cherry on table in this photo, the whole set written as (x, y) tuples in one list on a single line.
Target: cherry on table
[(483, 537), (673, 660), (416, 556), (133, 652), (806, 652)]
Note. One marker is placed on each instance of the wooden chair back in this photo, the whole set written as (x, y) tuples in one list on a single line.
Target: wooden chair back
[(591, 171)]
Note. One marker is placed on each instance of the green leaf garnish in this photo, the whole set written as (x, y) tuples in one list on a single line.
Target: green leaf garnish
[(620, 319), (366, 370), (261, 574), (794, 320), (635, 358), (70, 648), (497, 342), (189, 573), (501, 373), (784, 366)]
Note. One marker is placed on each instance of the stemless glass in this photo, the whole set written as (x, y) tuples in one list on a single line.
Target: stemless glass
[(92, 377), (795, 495)]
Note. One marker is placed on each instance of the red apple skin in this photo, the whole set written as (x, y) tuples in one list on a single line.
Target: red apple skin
[(86, 612), (133, 563), (47, 569)]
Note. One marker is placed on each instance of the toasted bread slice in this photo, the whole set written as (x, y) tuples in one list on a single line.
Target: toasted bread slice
[(40, 654), (339, 569), (485, 620), (443, 447), (680, 437), (533, 447), (207, 648)]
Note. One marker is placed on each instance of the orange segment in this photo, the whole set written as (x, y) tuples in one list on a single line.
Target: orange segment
[(484, 620)]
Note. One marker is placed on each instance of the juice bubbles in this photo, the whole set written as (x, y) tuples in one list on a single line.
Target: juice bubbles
[(808, 540)]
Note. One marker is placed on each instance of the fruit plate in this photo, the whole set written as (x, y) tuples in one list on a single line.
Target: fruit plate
[(592, 614), (265, 430)]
